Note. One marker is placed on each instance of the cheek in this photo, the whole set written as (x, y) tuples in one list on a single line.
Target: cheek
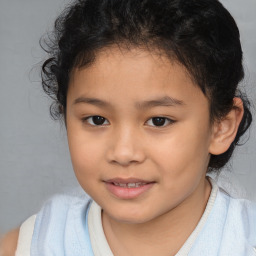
[(84, 152), (184, 152), (85, 164)]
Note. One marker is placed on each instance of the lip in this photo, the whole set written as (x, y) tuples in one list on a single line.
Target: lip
[(128, 180), (136, 187)]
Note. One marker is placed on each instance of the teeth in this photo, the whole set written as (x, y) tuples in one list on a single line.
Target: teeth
[(129, 185)]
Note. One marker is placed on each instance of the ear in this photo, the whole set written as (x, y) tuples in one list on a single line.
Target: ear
[(225, 130)]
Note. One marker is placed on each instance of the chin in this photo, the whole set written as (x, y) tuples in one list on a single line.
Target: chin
[(130, 216)]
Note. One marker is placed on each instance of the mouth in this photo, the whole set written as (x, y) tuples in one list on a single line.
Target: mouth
[(130, 185), (128, 188)]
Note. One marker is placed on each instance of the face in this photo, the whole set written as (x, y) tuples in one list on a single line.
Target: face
[(139, 134)]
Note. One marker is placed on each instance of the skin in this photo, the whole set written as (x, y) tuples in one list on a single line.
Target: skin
[(174, 156), (8, 243)]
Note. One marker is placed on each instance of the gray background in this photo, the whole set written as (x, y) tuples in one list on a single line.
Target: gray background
[(34, 158)]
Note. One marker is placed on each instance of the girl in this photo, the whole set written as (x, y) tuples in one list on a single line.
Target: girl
[(148, 92)]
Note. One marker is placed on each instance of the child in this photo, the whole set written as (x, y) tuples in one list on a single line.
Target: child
[(148, 92)]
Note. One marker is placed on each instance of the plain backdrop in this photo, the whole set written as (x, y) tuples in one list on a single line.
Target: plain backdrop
[(34, 158)]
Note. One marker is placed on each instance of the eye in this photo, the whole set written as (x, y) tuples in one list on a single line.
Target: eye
[(159, 121), (96, 120)]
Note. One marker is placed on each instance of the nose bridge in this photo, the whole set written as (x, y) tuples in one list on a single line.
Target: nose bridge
[(125, 147)]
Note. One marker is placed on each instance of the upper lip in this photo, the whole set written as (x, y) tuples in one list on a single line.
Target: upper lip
[(128, 180)]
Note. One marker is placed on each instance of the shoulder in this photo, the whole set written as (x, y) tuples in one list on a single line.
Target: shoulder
[(8, 243), (239, 206), (55, 214), (61, 221), (246, 210), (59, 207), (230, 228), (240, 216)]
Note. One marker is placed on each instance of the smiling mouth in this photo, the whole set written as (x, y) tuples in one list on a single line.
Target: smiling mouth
[(128, 188), (130, 185)]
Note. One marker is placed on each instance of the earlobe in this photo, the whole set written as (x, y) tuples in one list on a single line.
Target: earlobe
[(225, 130)]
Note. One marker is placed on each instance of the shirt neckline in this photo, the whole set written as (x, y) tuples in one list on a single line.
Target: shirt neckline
[(99, 242)]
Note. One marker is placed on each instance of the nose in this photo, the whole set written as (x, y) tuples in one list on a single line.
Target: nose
[(125, 147)]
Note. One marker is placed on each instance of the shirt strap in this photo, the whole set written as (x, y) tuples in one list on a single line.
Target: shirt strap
[(25, 237), (99, 242), (192, 238)]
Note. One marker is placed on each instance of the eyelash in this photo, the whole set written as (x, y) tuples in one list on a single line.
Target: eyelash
[(170, 121), (85, 120)]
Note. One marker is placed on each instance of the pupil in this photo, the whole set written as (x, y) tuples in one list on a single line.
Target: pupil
[(98, 120), (158, 121)]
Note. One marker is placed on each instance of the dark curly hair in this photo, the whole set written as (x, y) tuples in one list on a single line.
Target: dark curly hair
[(199, 34)]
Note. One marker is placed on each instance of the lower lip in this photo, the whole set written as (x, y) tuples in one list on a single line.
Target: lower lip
[(128, 193)]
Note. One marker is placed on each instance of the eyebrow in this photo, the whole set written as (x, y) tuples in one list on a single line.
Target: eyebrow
[(165, 101)]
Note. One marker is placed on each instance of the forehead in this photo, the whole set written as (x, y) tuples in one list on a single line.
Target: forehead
[(133, 74)]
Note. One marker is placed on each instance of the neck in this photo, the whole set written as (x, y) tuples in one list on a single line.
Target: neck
[(167, 232)]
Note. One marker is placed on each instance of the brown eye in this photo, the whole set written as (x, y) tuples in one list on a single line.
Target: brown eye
[(96, 120), (159, 121)]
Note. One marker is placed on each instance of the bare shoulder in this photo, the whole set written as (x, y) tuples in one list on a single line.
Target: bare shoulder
[(8, 243)]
